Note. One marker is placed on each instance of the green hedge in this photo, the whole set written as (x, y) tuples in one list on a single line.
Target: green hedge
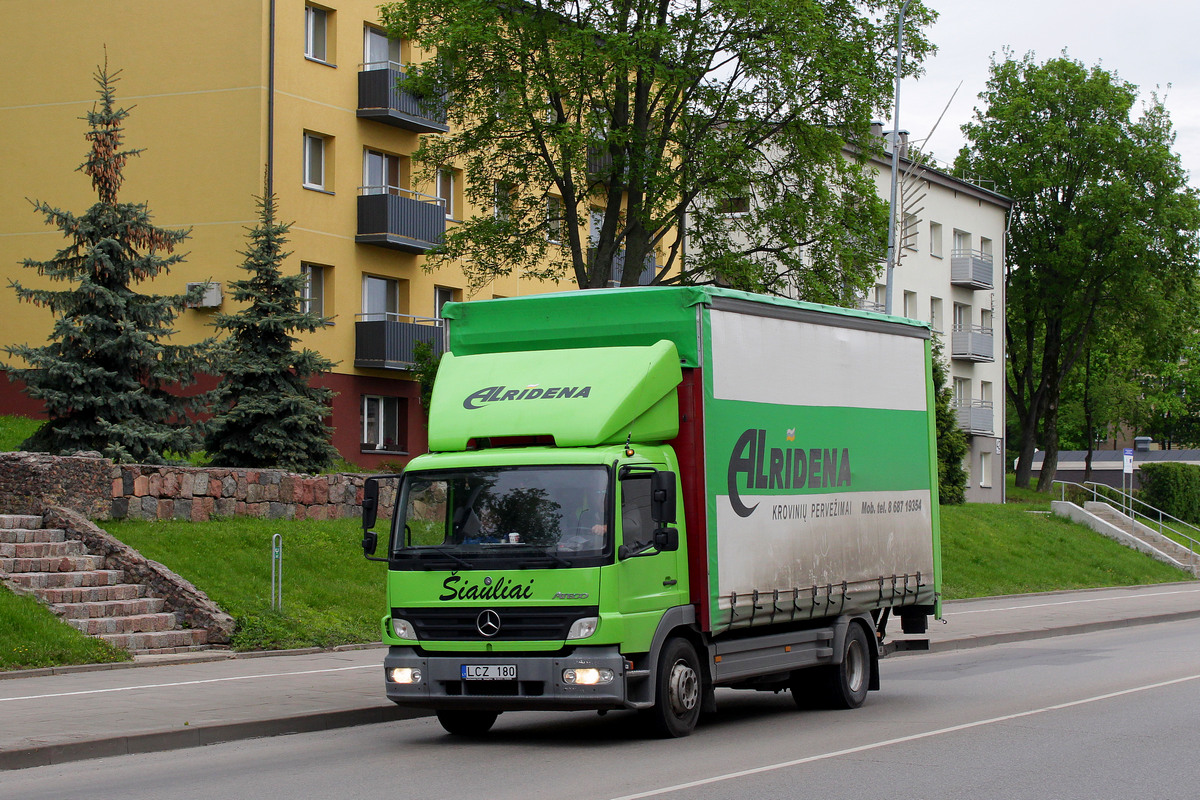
[(1173, 488)]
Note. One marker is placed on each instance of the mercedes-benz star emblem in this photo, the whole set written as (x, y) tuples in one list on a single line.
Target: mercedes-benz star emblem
[(488, 622)]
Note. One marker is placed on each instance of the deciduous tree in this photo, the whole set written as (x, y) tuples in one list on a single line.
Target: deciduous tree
[(1103, 228), (594, 133)]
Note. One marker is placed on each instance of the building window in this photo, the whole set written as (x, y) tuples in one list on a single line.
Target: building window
[(314, 161), (380, 52), (441, 296), (554, 219), (935, 239), (734, 206), (313, 293), (962, 317), (381, 173), (503, 200), (910, 305), (316, 33), (985, 470), (382, 428), (962, 391), (445, 189), (935, 314), (962, 243), (908, 239), (380, 299)]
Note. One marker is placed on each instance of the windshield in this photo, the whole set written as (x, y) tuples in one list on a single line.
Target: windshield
[(553, 514)]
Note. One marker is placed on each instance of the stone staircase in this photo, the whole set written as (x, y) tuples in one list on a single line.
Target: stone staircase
[(1148, 536), (59, 570)]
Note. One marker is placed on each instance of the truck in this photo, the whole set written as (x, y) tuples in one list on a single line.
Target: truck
[(635, 496)]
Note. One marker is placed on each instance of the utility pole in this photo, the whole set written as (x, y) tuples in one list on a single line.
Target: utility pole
[(891, 244)]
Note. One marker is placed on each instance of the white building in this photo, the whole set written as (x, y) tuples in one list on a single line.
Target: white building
[(950, 273)]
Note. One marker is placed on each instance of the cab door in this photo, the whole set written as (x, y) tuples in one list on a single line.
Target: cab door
[(653, 581)]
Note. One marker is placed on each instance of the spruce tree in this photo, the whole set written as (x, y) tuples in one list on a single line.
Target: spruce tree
[(107, 371), (266, 412)]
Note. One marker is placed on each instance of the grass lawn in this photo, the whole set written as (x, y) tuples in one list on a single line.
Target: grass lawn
[(1017, 548), (30, 637), (331, 594), (14, 430)]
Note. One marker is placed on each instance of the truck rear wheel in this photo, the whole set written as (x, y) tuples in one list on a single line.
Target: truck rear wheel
[(846, 683), (467, 723), (679, 690)]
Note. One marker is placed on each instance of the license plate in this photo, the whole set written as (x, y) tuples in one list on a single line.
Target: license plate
[(489, 672)]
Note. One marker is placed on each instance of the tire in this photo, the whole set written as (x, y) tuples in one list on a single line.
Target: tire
[(678, 692), (467, 723), (847, 683)]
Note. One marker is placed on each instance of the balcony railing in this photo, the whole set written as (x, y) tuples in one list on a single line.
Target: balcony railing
[(974, 416), (386, 341), (863, 304), (972, 269), (972, 343), (400, 219), (380, 98)]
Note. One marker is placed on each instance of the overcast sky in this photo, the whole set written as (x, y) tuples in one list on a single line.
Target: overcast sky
[(1150, 43)]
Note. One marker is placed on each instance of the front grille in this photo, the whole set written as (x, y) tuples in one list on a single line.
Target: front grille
[(516, 624)]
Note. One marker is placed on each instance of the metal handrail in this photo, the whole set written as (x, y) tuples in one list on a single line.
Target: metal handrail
[(969, 328), (391, 316), (1128, 510), (959, 252), (968, 403), (381, 64), (400, 191)]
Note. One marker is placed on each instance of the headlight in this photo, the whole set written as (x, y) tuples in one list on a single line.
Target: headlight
[(403, 629), (405, 675), (583, 628), (587, 676)]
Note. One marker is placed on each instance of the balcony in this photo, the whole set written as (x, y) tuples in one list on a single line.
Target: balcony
[(386, 341), (974, 416), (972, 269), (399, 219), (380, 98), (971, 343)]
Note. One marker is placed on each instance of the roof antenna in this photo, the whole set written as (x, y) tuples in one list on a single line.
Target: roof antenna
[(628, 447)]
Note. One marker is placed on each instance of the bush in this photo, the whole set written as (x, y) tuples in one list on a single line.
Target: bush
[(1173, 488)]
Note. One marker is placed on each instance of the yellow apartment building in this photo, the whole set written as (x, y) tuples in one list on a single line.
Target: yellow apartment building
[(222, 94)]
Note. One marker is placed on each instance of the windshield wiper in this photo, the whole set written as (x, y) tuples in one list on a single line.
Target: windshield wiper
[(559, 560), (421, 551)]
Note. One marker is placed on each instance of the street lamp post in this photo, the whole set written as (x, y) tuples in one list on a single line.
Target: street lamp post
[(891, 243)]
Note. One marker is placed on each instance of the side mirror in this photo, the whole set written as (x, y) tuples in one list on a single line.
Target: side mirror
[(662, 497), (666, 539), (370, 505), (370, 542)]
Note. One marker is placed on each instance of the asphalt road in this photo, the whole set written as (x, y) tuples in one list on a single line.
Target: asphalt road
[(1099, 715)]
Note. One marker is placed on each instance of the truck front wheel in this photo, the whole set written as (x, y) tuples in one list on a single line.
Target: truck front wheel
[(467, 723), (680, 687)]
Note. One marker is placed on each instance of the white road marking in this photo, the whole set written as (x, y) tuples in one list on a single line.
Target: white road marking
[(187, 683), (902, 740)]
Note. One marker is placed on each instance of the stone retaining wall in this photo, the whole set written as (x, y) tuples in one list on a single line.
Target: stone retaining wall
[(100, 489)]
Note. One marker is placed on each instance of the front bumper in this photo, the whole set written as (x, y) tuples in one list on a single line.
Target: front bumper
[(539, 683)]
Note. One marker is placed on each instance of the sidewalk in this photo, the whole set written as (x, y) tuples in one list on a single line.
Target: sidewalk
[(165, 702)]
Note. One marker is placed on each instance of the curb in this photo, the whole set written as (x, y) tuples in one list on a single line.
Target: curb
[(200, 735), (987, 640), (198, 657)]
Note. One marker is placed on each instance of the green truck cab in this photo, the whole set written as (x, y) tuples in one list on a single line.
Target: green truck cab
[(635, 496)]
